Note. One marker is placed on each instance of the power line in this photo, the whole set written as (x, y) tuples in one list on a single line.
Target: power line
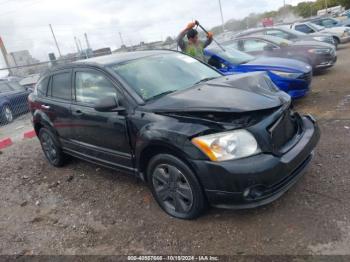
[(19, 9)]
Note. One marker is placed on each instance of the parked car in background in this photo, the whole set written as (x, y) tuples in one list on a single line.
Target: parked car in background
[(13, 100), (341, 34), (29, 82), (288, 34), (317, 54), (195, 136), (291, 76), (329, 22), (346, 13)]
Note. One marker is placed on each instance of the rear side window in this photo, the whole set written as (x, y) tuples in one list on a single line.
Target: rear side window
[(61, 86), (304, 29), (41, 87)]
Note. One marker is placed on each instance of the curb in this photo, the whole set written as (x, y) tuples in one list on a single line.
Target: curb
[(5, 143), (29, 134)]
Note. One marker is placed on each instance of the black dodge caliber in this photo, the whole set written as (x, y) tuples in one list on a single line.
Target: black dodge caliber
[(198, 138)]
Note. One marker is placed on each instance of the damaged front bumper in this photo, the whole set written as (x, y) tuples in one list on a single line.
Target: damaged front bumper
[(260, 179)]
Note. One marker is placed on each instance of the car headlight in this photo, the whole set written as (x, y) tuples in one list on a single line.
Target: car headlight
[(320, 50), (227, 145), (286, 74)]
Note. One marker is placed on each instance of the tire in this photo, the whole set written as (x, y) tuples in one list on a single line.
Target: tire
[(51, 147), (175, 187), (337, 42), (7, 114)]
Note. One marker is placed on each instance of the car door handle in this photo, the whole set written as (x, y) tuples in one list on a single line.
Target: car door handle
[(78, 113), (45, 107)]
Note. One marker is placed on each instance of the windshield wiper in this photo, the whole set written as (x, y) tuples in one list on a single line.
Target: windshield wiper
[(205, 80), (160, 95)]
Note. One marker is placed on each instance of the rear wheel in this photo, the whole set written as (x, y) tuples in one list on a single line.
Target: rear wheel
[(51, 147), (175, 187)]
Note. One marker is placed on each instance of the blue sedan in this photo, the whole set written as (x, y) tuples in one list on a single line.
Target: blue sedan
[(13, 100), (292, 76)]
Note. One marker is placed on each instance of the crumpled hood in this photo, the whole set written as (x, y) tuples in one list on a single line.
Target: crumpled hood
[(276, 63), (235, 93)]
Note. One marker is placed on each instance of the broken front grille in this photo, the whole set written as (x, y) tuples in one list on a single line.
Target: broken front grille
[(283, 130)]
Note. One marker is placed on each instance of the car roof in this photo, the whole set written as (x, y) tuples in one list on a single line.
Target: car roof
[(121, 57), (269, 38), (250, 31), (103, 61)]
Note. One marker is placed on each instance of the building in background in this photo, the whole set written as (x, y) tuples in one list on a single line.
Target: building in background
[(23, 64)]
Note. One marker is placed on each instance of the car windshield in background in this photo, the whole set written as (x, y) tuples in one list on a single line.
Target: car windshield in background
[(278, 40), (294, 32), (317, 28), (155, 75), (232, 55)]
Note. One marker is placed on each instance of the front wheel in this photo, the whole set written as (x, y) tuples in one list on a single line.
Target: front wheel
[(175, 187), (336, 42)]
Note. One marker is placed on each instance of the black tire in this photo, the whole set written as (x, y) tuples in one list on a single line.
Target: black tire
[(337, 42), (51, 147), (7, 115), (175, 187)]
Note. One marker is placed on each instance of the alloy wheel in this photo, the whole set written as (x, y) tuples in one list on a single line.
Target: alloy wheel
[(172, 189), (49, 147), (8, 114)]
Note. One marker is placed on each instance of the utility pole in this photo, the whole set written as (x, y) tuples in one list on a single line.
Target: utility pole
[(54, 37), (76, 44), (121, 38), (87, 41), (81, 48), (5, 55), (222, 17)]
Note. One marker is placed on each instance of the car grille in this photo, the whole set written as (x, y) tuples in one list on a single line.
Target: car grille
[(283, 130), (306, 76)]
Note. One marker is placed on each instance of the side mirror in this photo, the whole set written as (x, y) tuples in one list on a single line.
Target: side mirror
[(107, 104)]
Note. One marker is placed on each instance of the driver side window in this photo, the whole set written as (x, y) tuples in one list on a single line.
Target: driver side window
[(255, 45), (91, 87)]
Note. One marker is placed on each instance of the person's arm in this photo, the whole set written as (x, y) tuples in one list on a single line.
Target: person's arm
[(180, 38), (209, 39)]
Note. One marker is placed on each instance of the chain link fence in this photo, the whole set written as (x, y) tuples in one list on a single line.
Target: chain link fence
[(15, 118)]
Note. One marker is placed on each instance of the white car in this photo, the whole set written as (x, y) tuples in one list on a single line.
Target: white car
[(341, 34)]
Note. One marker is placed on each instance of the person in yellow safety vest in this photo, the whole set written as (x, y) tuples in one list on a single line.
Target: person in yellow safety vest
[(194, 47)]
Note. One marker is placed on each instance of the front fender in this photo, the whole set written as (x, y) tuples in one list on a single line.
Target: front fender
[(174, 137)]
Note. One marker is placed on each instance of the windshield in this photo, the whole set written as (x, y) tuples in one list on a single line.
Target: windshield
[(155, 75), (278, 40), (316, 27), (232, 55), (294, 32)]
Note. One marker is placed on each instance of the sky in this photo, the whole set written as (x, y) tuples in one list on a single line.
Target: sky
[(24, 24)]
